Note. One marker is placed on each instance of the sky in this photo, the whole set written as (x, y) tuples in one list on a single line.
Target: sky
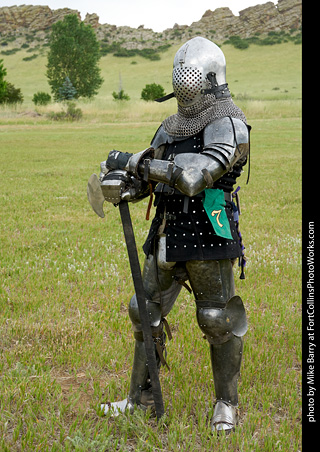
[(157, 15)]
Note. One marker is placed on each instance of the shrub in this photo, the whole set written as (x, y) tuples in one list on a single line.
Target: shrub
[(12, 95), (10, 51), (72, 113), (32, 57), (152, 92), (238, 42), (121, 95), (41, 98)]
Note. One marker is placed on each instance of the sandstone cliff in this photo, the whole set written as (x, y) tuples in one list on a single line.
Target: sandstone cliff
[(218, 24), (28, 18)]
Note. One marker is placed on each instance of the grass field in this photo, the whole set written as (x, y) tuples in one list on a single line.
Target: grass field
[(65, 338)]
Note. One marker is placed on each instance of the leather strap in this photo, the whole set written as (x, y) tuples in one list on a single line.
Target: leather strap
[(164, 98)]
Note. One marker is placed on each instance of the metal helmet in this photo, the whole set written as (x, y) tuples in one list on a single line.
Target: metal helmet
[(199, 68)]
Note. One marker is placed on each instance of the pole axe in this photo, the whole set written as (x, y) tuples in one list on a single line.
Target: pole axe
[(96, 199)]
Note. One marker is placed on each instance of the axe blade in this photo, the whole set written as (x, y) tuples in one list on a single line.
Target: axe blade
[(95, 195)]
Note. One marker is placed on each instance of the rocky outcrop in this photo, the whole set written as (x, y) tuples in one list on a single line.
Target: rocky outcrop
[(260, 19), (28, 18), (92, 19), (218, 24)]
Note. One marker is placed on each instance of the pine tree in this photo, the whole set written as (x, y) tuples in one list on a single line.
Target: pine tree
[(67, 91)]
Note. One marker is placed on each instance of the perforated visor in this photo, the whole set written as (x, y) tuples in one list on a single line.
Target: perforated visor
[(187, 84)]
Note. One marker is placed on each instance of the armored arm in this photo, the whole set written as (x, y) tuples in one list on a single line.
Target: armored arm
[(226, 141)]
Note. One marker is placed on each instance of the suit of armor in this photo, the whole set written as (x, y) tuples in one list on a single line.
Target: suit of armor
[(193, 163)]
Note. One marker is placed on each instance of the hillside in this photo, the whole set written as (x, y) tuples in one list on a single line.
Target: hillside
[(258, 73), (31, 25)]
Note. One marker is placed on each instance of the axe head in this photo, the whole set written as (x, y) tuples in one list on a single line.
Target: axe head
[(95, 195)]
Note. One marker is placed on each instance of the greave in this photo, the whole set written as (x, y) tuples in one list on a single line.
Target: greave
[(226, 362), (140, 392), (139, 376)]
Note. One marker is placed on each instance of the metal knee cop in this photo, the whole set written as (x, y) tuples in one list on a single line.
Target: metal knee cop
[(220, 321)]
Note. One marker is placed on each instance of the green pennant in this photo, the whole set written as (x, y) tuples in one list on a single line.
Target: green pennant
[(214, 204)]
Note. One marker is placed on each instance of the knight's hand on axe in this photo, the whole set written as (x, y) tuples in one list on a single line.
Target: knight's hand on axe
[(114, 184)]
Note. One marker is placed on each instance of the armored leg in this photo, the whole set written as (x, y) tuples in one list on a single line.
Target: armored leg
[(140, 392), (221, 317), (162, 289), (226, 362)]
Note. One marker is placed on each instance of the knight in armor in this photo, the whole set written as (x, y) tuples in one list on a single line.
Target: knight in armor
[(194, 240)]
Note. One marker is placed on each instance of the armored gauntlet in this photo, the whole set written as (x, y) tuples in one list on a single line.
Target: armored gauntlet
[(118, 185)]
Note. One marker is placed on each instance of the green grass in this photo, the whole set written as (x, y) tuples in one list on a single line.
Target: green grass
[(65, 337)]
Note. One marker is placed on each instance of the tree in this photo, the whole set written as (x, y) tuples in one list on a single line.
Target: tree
[(67, 91), (152, 92), (9, 94), (12, 95), (3, 83), (74, 53)]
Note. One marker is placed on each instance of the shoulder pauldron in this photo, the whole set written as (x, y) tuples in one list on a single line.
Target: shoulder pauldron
[(227, 140)]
